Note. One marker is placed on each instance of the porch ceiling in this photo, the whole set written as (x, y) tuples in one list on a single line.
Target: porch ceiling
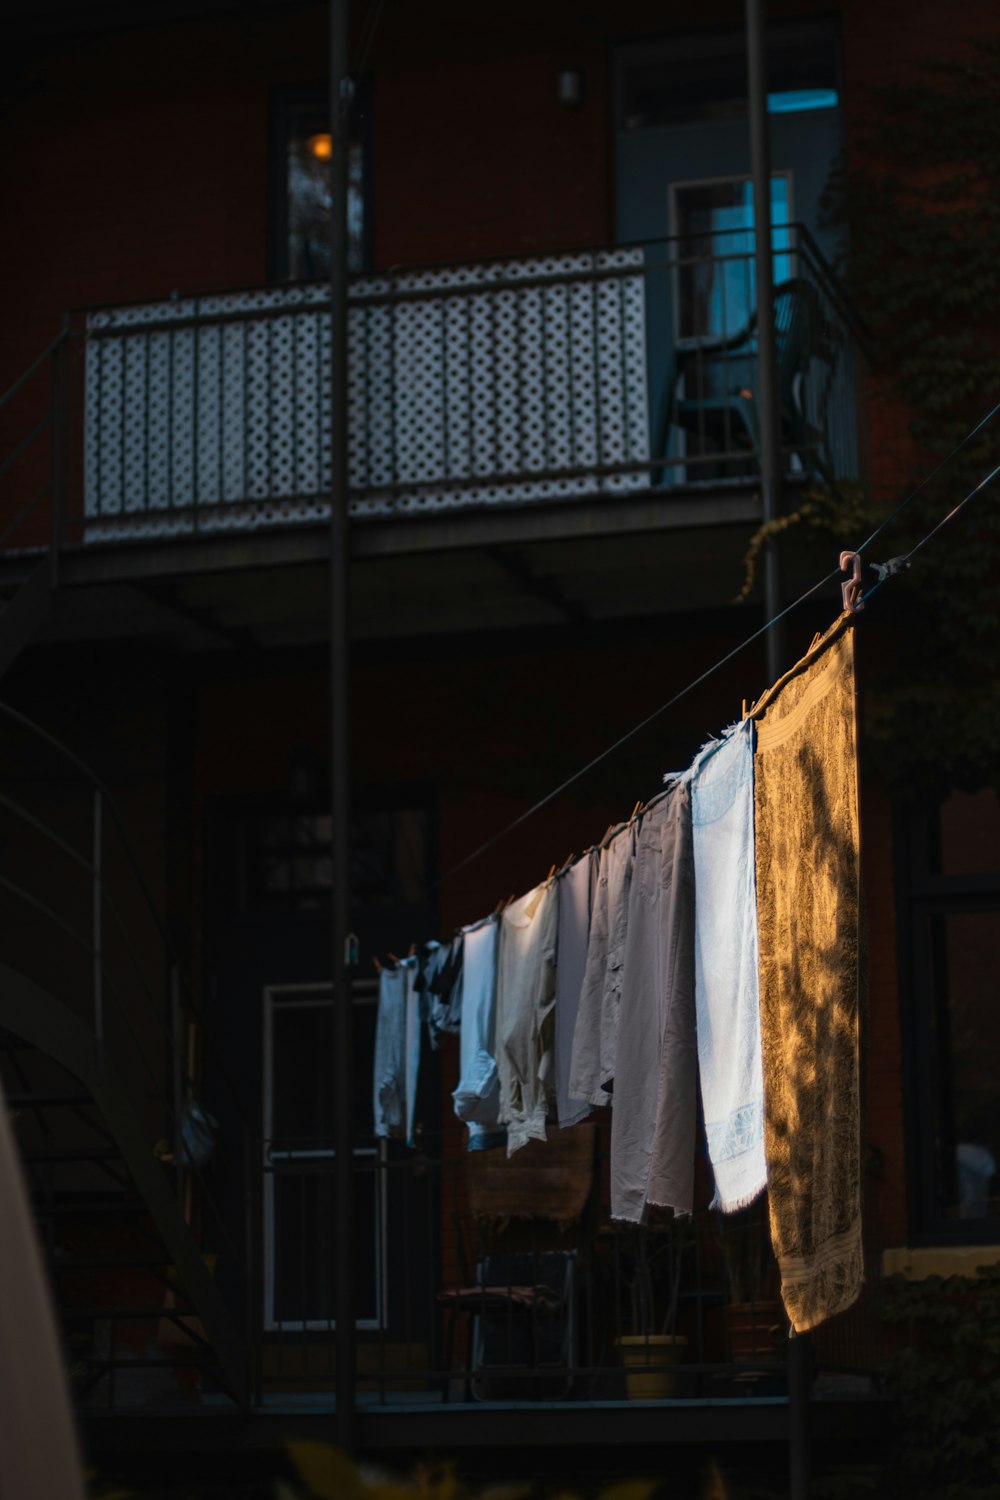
[(413, 578)]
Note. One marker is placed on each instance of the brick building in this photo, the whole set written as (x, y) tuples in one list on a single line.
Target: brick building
[(552, 496)]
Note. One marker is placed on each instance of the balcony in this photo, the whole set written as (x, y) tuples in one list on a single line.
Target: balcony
[(600, 378)]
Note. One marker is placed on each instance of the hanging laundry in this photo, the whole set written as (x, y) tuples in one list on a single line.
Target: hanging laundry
[(575, 895), (477, 1097), (653, 1122), (411, 972), (441, 982), (806, 812), (391, 1054), (592, 1065), (526, 993), (727, 994)]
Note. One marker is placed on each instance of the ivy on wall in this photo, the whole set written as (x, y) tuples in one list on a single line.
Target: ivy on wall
[(922, 204)]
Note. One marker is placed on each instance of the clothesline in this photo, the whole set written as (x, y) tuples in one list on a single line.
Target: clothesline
[(634, 972), (718, 922), (749, 641)]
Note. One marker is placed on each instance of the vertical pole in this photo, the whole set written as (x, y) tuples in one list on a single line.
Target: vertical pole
[(340, 732), (798, 1417), (177, 1077), (767, 365), (98, 926), (59, 457)]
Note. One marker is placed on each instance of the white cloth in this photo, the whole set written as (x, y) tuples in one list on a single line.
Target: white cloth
[(477, 1097), (727, 993), (526, 994), (575, 893)]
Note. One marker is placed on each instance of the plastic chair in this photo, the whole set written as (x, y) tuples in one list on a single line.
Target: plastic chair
[(713, 391)]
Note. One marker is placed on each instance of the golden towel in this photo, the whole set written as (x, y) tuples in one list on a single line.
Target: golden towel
[(806, 817)]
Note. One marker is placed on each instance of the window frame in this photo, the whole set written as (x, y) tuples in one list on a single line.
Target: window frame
[(921, 897), (285, 103), (308, 996)]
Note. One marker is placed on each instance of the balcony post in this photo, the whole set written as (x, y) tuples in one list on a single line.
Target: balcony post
[(340, 735), (767, 366)]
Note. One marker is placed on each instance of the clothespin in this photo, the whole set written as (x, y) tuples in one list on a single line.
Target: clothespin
[(552, 871), (393, 959), (891, 568), (412, 951), (565, 865), (637, 809), (499, 907), (607, 836), (851, 591), (509, 901), (377, 964)]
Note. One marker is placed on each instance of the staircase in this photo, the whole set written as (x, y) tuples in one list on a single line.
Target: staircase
[(101, 1042), (131, 1285)]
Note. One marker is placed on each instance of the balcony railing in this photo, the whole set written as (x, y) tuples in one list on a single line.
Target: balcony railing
[(505, 383), (456, 1305)]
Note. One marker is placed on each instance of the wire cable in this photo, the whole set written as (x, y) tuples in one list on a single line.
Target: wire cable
[(904, 561), (710, 671), (630, 733), (969, 436)]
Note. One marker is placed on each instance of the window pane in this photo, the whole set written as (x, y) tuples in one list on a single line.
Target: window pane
[(717, 279), (969, 835), (306, 1241), (302, 1067), (966, 1052), (308, 167)]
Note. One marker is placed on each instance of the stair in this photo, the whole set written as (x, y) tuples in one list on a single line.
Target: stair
[(131, 1285)]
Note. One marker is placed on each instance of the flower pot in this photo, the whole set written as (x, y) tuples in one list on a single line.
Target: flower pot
[(639, 1350), (755, 1329)]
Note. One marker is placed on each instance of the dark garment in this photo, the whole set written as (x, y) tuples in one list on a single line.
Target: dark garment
[(592, 1065), (653, 1122)]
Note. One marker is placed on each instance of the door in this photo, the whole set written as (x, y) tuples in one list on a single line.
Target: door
[(271, 1011), (682, 163)]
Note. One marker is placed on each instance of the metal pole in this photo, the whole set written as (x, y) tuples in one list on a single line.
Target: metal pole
[(340, 733), (768, 414), (98, 929), (798, 1417), (178, 1071)]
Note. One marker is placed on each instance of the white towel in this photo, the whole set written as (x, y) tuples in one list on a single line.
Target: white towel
[(727, 993)]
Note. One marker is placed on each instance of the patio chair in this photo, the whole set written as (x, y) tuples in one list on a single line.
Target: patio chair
[(713, 392)]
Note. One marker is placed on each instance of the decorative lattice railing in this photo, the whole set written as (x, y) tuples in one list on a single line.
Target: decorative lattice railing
[(501, 383)]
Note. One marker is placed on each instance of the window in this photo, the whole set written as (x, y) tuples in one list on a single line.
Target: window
[(702, 78), (300, 1229), (713, 222), (300, 185), (951, 979)]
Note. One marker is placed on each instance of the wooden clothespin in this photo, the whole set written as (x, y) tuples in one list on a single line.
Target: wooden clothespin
[(377, 964), (393, 959), (412, 951), (552, 871), (637, 809), (607, 836), (565, 864), (499, 907)]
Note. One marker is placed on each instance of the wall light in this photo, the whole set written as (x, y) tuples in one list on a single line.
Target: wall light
[(569, 87), (320, 146)]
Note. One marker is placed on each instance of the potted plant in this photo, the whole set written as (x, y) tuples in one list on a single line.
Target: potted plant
[(654, 1262), (754, 1316)]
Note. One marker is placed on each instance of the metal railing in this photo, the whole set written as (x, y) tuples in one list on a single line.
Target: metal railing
[(501, 383), (458, 1309), (81, 921)]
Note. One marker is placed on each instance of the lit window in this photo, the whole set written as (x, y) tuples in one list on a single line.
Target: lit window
[(300, 187)]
